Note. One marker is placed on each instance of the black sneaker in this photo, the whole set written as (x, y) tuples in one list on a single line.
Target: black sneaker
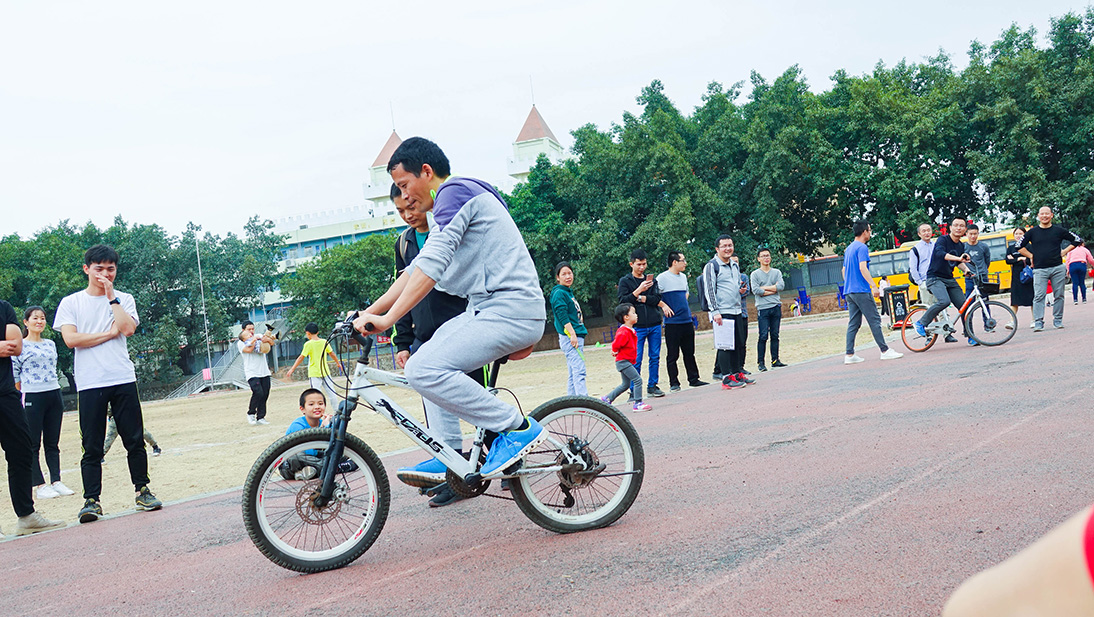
[(156, 451), (716, 377), (675, 388), (697, 383), (729, 381), (445, 496), (777, 364), (147, 501), (761, 368), (950, 339), (745, 372), (742, 377), (654, 391), (91, 511)]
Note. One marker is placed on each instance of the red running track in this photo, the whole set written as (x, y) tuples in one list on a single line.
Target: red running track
[(823, 489)]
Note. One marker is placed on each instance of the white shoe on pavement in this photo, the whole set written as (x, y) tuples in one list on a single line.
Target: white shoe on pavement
[(891, 354), (252, 419), (61, 489), (35, 522), (46, 492), (261, 421), (853, 359)]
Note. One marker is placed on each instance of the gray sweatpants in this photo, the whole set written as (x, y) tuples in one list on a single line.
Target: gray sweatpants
[(1041, 277), (861, 305), (438, 371)]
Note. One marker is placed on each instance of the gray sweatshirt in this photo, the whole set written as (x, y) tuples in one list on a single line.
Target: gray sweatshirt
[(723, 286), (762, 279), (475, 251)]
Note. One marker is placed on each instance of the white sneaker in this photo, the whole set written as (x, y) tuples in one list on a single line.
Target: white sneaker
[(252, 419), (855, 359), (891, 354), (35, 522), (61, 488), (1010, 325), (46, 492), (261, 421)]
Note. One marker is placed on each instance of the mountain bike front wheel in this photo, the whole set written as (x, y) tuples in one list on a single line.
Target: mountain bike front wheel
[(282, 518), (567, 501), (912, 340), (993, 326)]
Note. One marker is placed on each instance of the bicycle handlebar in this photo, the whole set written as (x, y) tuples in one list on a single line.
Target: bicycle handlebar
[(346, 327)]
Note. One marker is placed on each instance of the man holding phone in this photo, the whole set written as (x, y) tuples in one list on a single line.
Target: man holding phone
[(640, 290)]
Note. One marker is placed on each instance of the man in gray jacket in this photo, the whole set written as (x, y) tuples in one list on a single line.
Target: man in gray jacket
[(474, 251), (767, 282), (723, 289)]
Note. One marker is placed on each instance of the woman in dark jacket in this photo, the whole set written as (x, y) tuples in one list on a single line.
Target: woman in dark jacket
[(571, 329), (1021, 294)]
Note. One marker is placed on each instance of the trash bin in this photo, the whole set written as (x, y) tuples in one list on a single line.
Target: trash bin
[(896, 299)]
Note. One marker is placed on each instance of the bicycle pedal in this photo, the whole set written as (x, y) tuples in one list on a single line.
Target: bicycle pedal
[(430, 492)]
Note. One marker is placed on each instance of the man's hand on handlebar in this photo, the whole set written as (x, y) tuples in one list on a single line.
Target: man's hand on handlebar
[(369, 323)]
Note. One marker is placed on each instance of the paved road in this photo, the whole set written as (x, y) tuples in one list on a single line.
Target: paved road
[(823, 489)]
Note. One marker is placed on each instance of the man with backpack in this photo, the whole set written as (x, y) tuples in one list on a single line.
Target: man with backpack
[(722, 291)]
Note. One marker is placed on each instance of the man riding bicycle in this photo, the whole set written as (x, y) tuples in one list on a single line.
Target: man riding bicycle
[(475, 251), (948, 252)]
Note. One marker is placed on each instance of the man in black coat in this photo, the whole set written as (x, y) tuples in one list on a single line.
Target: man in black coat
[(642, 292)]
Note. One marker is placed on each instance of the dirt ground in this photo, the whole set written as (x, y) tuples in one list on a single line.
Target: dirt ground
[(208, 445)]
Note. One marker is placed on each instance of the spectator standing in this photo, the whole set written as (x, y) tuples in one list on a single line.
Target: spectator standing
[(640, 290), (570, 326), (723, 289), (979, 256), (256, 370), (1021, 294), (679, 328), (96, 322), (1042, 244), (860, 291), (1077, 262), (767, 282), (316, 351), (14, 434), (413, 330), (35, 371)]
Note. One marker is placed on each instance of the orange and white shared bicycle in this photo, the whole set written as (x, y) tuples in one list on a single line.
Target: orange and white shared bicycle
[(987, 322)]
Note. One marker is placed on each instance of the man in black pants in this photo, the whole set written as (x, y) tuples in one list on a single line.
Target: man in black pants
[(14, 433), (96, 322), (415, 328), (724, 291)]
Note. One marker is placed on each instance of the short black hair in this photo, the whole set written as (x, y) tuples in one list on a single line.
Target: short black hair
[(638, 255), (718, 242), (560, 265), (100, 254), (246, 322), (312, 328), (305, 393), (395, 191), (763, 249), (674, 256), (418, 151), (972, 226), (621, 311), (859, 227)]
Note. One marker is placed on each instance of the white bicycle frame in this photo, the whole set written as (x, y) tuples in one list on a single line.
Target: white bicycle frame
[(363, 388)]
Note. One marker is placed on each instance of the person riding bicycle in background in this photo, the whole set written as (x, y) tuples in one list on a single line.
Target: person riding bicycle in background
[(475, 251), (948, 252)]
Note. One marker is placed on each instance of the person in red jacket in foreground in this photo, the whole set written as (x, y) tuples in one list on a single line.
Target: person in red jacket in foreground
[(625, 350)]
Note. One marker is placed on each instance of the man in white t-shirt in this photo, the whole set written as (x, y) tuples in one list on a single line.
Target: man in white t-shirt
[(95, 323), (256, 370)]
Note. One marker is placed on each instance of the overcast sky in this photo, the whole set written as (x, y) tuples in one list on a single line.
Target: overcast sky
[(211, 112)]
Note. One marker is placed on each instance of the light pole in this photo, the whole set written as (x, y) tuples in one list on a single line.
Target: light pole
[(204, 313)]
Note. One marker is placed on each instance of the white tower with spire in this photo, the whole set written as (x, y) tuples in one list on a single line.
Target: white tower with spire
[(535, 138), (378, 189)]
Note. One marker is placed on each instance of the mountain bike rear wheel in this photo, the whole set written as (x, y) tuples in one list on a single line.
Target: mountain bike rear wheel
[(285, 524), (912, 340), (993, 327), (566, 502)]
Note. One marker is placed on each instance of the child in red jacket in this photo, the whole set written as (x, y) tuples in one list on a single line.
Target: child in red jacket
[(625, 350)]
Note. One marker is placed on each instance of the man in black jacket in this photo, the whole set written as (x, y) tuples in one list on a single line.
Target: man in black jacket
[(642, 292), (415, 328)]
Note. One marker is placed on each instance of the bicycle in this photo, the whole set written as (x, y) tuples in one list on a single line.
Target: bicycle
[(998, 328), (585, 475)]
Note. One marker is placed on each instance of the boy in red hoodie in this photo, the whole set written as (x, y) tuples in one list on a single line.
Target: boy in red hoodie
[(625, 350)]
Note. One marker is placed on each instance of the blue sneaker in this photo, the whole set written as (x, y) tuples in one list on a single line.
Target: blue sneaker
[(920, 330), (510, 446), (425, 474), (972, 342)]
